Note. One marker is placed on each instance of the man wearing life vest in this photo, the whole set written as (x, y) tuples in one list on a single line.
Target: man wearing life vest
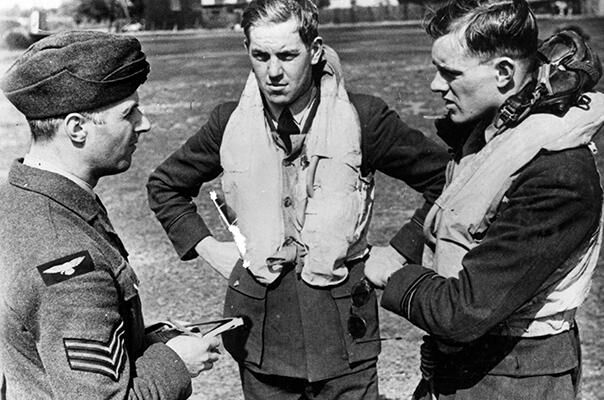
[(515, 235), (297, 153)]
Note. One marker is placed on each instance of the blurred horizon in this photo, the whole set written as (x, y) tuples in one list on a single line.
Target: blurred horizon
[(28, 4)]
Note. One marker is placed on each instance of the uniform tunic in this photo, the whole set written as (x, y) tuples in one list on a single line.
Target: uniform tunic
[(297, 330), (551, 209), (71, 325)]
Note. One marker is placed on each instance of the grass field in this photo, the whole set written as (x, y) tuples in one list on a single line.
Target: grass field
[(192, 73)]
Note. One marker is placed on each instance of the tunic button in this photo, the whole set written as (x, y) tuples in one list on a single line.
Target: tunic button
[(236, 283), (287, 202)]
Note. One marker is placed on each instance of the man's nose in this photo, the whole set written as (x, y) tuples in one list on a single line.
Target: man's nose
[(439, 84), (143, 125), (274, 68)]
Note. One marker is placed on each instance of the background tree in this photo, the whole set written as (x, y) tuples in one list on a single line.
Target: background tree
[(136, 9), (104, 10), (322, 3), (95, 10)]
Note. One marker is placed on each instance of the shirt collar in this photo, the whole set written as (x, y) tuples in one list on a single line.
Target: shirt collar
[(302, 105), (35, 162), (299, 108)]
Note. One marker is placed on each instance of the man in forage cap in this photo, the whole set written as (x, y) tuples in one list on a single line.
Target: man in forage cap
[(71, 324)]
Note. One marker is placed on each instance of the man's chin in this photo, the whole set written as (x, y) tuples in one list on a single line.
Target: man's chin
[(279, 99), (122, 166), (458, 118)]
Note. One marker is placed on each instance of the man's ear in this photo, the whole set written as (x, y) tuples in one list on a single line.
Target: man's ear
[(316, 50), (505, 70), (74, 126), (246, 44)]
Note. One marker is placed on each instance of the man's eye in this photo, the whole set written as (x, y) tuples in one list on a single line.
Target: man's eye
[(287, 56), (260, 56), (448, 75), (131, 113)]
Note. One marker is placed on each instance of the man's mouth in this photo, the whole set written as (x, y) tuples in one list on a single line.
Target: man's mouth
[(277, 87), (450, 106)]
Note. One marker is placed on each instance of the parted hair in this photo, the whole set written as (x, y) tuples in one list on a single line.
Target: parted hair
[(489, 28), (276, 11)]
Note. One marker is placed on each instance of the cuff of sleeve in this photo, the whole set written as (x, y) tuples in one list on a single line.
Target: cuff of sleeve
[(161, 365), (409, 241), (401, 287), (185, 233)]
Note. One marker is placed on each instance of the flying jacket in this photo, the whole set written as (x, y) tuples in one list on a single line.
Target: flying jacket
[(476, 186), (550, 209), (288, 335)]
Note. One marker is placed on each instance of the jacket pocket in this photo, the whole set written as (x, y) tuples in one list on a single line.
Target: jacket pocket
[(548, 355), (245, 298), (341, 294)]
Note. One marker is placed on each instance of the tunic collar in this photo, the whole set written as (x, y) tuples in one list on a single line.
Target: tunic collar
[(56, 187)]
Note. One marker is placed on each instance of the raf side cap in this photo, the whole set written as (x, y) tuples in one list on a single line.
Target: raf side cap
[(74, 71)]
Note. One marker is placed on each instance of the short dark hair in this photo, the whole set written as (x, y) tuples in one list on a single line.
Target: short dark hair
[(45, 129), (276, 11), (490, 27)]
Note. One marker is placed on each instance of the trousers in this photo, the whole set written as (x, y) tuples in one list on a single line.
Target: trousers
[(359, 385)]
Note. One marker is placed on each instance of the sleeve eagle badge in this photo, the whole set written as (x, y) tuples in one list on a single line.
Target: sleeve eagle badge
[(65, 268)]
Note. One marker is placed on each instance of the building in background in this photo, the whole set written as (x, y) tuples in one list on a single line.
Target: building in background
[(172, 14), (188, 14), (222, 13)]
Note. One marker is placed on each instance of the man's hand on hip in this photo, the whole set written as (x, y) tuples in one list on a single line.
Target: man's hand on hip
[(222, 256), (382, 263)]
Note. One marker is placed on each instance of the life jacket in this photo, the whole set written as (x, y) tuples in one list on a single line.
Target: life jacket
[(475, 189), (334, 200)]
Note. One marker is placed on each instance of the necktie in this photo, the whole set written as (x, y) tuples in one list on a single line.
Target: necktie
[(286, 127)]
